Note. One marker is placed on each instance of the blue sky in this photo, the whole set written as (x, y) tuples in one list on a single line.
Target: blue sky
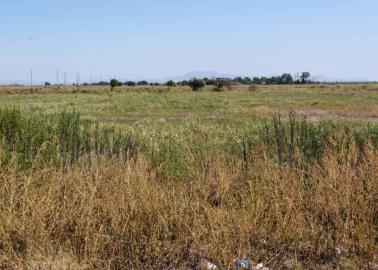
[(162, 38)]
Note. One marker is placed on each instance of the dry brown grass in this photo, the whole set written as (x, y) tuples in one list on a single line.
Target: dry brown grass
[(127, 215)]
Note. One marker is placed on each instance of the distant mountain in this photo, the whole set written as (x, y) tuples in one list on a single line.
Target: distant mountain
[(15, 82), (197, 74)]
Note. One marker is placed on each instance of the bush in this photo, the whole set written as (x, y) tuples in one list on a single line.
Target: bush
[(130, 83), (170, 83), (196, 84), (143, 83), (114, 83)]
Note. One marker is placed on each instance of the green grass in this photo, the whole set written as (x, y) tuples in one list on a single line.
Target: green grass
[(127, 106), (65, 139)]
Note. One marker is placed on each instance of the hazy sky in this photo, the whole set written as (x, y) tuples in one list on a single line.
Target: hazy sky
[(161, 38)]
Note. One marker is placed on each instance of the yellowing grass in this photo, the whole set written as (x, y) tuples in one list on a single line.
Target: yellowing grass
[(129, 216)]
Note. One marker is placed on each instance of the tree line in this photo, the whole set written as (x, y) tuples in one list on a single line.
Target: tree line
[(285, 78), (218, 83)]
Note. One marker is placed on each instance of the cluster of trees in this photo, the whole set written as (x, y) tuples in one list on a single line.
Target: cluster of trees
[(285, 78), (115, 83), (196, 84)]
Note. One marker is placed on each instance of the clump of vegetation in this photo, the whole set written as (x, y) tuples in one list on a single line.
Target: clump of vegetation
[(158, 196), (60, 140), (142, 83), (170, 83), (305, 77), (114, 83), (67, 138), (196, 84)]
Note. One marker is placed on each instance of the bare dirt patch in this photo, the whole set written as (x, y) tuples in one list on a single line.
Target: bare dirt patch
[(318, 115)]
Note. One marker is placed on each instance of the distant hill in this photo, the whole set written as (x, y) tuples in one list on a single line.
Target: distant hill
[(197, 74)]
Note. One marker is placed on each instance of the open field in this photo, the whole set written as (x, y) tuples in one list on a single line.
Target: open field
[(131, 104), (160, 178)]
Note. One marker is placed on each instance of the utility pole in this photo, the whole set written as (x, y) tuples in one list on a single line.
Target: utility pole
[(65, 79), (77, 79), (57, 78), (31, 77)]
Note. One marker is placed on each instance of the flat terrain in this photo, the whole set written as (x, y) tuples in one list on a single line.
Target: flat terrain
[(168, 178), (127, 105)]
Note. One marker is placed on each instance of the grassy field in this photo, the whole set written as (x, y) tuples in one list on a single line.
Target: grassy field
[(129, 105), (159, 178)]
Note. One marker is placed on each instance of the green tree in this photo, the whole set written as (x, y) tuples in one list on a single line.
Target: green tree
[(170, 83), (286, 78), (183, 83), (247, 80), (196, 84), (102, 83), (238, 79), (274, 80), (256, 80), (305, 77), (130, 83), (143, 82), (114, 83), (209, 81)]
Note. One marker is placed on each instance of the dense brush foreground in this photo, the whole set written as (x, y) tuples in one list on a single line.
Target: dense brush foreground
[(77, 195)]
